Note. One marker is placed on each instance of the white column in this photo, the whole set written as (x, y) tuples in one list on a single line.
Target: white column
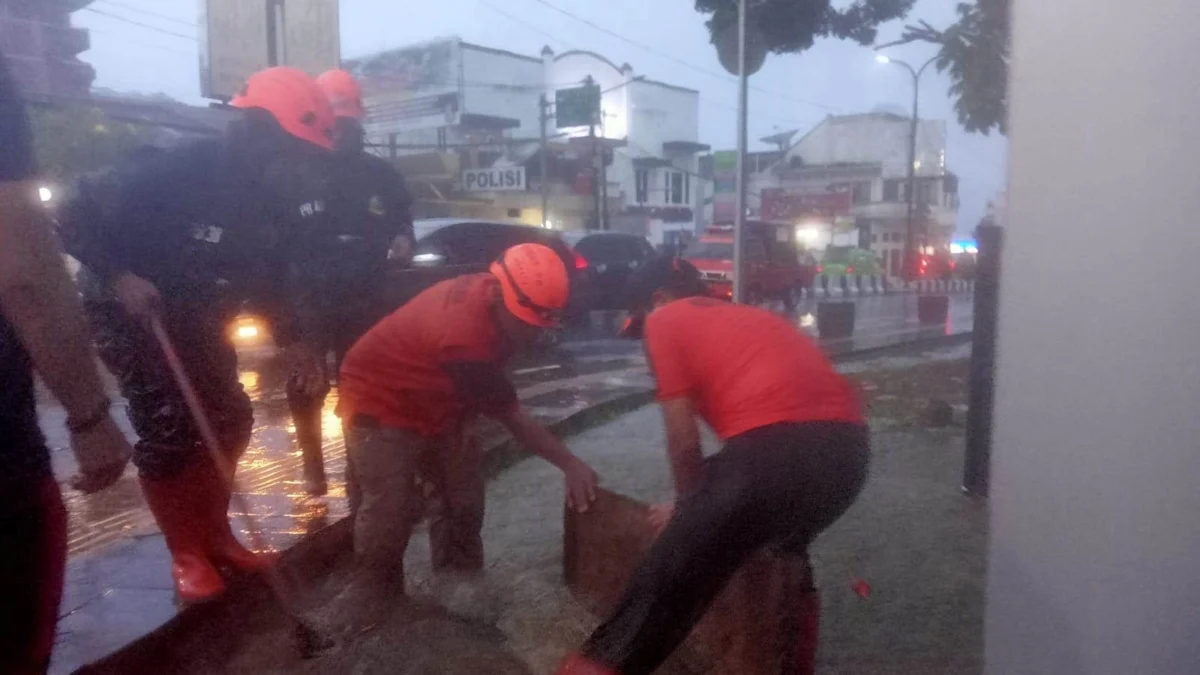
[(1095, 551)]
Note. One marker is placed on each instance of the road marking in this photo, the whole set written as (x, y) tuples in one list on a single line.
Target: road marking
[(539, 369)]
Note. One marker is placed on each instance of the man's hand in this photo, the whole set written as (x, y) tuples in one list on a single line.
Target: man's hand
[(401, 249), (102, 453), (308, 376), (660, 515), (581, 485), (139, 297)]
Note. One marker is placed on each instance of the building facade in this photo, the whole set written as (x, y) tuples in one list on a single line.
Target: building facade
[(460, 107), (865, 158), (41, 47)]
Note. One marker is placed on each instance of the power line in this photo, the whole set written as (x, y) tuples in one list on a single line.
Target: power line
[(139, 10), (134, 22), (522, 22), (675, 59)]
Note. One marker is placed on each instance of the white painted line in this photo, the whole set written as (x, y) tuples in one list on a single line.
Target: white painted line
[(539, 369)]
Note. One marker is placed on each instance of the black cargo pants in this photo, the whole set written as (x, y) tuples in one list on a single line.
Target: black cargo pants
[(777, 486), (197, 322)]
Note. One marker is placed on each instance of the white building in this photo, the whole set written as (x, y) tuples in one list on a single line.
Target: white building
[(451, 97), (866, 156)]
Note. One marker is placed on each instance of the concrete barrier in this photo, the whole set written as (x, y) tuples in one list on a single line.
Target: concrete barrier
[(835, 319)]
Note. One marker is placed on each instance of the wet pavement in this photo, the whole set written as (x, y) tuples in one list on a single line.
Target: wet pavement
[(118, 584)]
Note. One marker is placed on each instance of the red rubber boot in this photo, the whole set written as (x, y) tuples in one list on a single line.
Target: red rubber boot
[(224, 547), (577, 664), (177, 504)]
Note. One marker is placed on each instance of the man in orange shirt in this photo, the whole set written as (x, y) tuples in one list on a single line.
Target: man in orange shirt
[(795, 458), (408, 389)]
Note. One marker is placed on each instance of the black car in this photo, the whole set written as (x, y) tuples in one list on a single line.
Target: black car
[(449, 247), (605, 260)]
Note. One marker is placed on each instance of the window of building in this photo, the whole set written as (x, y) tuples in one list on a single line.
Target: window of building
[(641, 182), (891, 190), (874, 238), (927, 192), (860, 193), (676, 191), (514, 213)]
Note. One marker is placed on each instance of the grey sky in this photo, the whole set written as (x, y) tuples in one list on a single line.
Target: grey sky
[(794, 91)]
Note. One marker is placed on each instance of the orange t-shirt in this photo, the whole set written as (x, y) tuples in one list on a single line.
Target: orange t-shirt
[(397, 371), (744, 367)]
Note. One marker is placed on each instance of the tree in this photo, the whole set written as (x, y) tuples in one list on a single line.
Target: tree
[(793, 25), (975, 52), (77, 139)]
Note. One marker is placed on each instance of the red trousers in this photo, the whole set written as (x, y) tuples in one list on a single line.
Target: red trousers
[(33, 528)]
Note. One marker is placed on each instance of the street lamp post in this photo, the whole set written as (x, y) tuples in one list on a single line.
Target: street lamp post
[(909, 235)]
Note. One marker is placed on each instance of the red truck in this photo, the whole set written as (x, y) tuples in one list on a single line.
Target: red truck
[(777, 266)]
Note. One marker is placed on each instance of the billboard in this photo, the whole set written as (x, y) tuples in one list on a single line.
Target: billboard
[(779, 205), (411, 88), (239, 37)]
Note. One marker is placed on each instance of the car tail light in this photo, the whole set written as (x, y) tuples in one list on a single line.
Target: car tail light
[(581, 263), (849, 269), (820, 269)]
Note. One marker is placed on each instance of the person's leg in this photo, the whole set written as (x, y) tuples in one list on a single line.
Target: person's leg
[(33, 527), (712, 533), (306, 415), (168, 452), (387, 459), (456, 525)]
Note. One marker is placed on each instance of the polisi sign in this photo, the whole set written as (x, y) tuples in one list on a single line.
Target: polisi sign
[(502, 179)]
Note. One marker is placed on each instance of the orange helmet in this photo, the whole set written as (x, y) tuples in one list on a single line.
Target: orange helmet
[(535, 284), (294, 100), (344, 93)]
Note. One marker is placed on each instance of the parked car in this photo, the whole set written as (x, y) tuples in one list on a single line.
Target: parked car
[(604, 261), (777, 266), (449, 247)]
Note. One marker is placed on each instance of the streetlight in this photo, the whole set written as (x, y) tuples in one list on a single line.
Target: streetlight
[(909, 248)]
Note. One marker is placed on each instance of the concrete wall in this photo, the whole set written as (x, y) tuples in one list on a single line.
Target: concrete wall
[(877, 138), (517, 96), (1095, 505)]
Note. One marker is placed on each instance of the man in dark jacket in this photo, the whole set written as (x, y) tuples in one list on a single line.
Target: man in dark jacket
[(186, 237), (342, 270)]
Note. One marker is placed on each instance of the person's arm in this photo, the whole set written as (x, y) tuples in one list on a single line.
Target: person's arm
[(486, 388), (38, 298), (683, 445)]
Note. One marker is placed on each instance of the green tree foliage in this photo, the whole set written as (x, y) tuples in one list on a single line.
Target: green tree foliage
[(975, 53), (793, 25), (74, 140)]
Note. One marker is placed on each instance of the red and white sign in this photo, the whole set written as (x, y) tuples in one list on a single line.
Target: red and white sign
[(779, 205)]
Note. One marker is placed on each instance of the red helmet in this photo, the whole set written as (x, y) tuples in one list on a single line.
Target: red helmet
[(344, 93), (294, 100), (534, 281)]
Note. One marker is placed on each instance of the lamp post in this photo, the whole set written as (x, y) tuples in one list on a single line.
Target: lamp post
[(909, 244)]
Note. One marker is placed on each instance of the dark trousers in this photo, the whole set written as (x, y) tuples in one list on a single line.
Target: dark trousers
[(33, 527), (168, 440), (777, 486)]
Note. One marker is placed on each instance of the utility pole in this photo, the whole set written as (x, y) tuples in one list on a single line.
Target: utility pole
[(739, 219), (589, 83), (544, 116), (910, 249)]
